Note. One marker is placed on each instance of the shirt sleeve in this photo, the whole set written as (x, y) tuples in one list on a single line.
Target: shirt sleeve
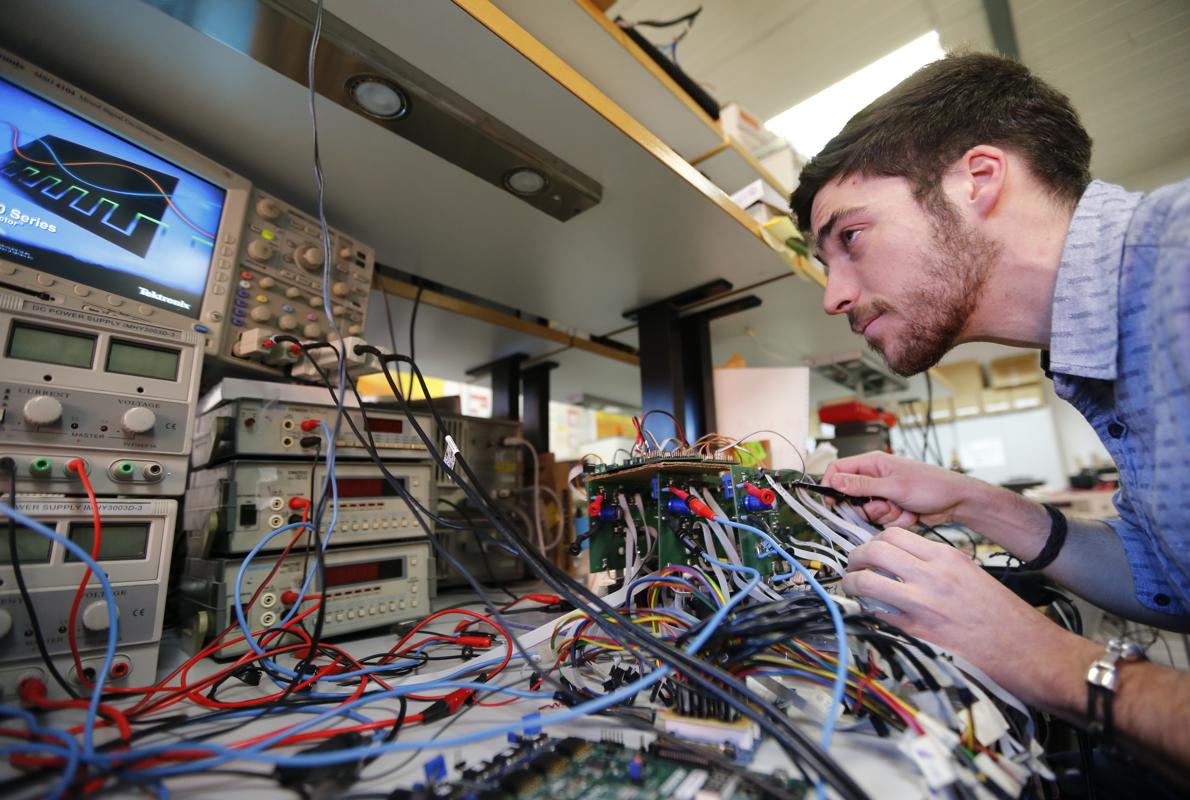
[(1153, 589)]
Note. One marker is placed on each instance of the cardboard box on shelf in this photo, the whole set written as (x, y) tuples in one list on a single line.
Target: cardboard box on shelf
[(1026, 397), (963, 377), (996, 401), (966, 404), (1022, 370), (742, 126)]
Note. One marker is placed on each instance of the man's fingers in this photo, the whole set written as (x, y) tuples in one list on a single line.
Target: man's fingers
[(866, 583), (862, 485), (922, 549), (886, 557)]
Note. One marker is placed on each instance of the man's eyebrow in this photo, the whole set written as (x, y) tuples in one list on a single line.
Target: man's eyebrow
[(825, 231)]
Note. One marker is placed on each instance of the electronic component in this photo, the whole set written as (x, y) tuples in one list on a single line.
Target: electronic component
[(116, 392), (103, 214), (232, 506), (258, 419), (478, 550), (135, 547), (545, 768), (480, 440), (670, 488), (366, 587), (278, 283)]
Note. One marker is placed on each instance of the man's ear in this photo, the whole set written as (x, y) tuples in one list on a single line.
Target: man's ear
[(983, 175)]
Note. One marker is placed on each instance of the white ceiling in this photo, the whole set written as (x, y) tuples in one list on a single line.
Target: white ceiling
[(1125, 65)]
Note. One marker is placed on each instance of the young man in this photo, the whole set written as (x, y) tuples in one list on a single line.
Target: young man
[(959, 207)]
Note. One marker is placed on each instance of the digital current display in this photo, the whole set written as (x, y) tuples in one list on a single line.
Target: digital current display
[(32, 547), (368, 572), (88, 206), (386, 425), (118, 541), (144, 361), (50, 345), (366, 487)]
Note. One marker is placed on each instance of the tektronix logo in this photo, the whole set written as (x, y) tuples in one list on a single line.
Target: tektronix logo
[(158, 296)]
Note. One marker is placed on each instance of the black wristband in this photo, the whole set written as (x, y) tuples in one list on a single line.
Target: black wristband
[(1053, 545)]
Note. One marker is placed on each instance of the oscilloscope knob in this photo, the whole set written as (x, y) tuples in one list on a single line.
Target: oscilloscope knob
[(346, 252), (138, 420), (268, 208), (261, 314), (287, 322), (42, 410), (260, 249), (312, 331), (340, 289), (309, 257), (292, 292)]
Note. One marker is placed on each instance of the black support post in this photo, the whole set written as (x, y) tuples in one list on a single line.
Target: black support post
[(536, 414)]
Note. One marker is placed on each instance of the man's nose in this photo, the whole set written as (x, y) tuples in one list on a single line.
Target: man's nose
[(841, 293)]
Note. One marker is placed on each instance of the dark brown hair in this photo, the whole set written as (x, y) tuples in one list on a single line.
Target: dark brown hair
[(926, 123)]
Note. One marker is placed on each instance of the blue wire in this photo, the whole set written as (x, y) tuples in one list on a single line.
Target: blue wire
[(113, 619), (70, 752), (222, 754), (840, 683)]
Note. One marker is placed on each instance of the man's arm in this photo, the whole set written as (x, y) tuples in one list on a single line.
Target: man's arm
[(946, 599), (1092, 563)]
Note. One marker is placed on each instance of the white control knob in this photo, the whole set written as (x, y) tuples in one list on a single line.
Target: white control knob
[(42, 410), (268, 208), (95, 616), (354, 330), (311, 331), (261, 314), (337, 310), (138, 420), (5, 623), (292, 292), (287, 322), (315, 301), (346, 252), (309, 257), (340, 289), (260, 250), (267, 283)]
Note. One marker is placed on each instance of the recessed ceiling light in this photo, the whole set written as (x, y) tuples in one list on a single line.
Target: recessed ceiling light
[(525, 181), (812, 123), (378, 97)]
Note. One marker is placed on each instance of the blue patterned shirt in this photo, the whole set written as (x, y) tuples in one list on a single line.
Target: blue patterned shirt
[(1120, 354)]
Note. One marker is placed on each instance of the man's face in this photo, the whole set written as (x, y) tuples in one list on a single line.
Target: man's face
[(908, 278)]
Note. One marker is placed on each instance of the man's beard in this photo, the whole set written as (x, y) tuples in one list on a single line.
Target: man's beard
[(950, 287)]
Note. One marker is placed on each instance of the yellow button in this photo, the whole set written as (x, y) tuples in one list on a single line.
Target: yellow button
[(267, 234), (262, 298)]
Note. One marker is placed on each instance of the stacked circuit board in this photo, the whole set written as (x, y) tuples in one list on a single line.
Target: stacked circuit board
[(546, 768), (653, 494)]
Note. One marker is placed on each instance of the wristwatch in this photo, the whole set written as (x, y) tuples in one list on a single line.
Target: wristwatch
[(1101, 684)]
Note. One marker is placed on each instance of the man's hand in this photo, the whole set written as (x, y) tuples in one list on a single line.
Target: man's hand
[(947, 599), (904, 491)]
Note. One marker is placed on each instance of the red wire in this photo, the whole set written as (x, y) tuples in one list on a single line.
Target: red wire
[(79, 466)]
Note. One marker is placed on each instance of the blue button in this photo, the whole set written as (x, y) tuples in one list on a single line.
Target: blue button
[(288, 309), (202, 329), (238, 322), (242, 292), (241, 303)]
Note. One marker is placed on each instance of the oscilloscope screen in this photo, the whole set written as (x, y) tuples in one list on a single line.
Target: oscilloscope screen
[(88, 206)]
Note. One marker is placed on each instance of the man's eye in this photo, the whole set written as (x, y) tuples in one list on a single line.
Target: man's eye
[(848, 237)]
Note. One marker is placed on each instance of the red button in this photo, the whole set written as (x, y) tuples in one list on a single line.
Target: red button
[(246, 275)]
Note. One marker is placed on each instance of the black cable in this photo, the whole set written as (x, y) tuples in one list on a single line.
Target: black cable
[(479, 543), (796, 744), (26, 598), (412, 323)]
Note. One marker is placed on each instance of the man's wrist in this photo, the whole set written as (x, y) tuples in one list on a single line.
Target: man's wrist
[(1015, 523)]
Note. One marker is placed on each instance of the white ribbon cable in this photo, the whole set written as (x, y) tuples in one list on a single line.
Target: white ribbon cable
[(834, 518), (650, 531), (822, 528), (763, 591), (631, 557)]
